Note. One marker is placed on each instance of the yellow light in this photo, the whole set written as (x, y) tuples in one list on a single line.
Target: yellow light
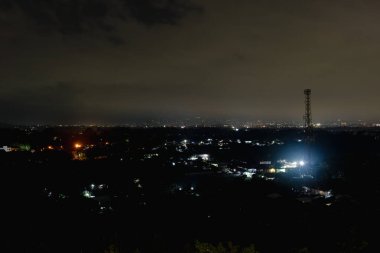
[(77, 145), (50, 147), (272, 170)]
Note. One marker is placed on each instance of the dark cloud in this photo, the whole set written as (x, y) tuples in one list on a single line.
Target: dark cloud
[(116, 40), (151, 12), (77, 16), (242, 59), (58, 103)]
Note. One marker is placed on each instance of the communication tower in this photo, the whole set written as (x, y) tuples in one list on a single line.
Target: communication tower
[(308, 126)]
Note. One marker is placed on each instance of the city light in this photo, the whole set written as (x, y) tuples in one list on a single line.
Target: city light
[(78, 145), (248, 174), (291, 165), (87, 194), (204, 157)]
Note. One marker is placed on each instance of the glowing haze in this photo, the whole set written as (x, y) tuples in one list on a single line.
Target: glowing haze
[(119, 61)]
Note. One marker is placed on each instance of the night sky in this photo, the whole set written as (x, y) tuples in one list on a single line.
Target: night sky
[(120, 61)]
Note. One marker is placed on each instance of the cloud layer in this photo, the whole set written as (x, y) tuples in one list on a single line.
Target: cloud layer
[(242, 59)]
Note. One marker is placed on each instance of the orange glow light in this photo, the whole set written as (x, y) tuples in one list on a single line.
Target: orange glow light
[(77, 145)]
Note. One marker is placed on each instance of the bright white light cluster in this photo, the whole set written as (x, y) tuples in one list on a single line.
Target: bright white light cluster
[(87, 194), (204, 157), (291, 165)]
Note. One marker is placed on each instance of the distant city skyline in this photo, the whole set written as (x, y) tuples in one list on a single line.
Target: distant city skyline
[(199, 122), (119, 62)]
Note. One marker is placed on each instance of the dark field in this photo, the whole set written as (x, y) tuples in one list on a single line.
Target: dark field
[(181, 190)]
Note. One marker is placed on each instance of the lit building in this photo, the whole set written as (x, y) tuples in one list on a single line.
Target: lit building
[(6, 149)]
